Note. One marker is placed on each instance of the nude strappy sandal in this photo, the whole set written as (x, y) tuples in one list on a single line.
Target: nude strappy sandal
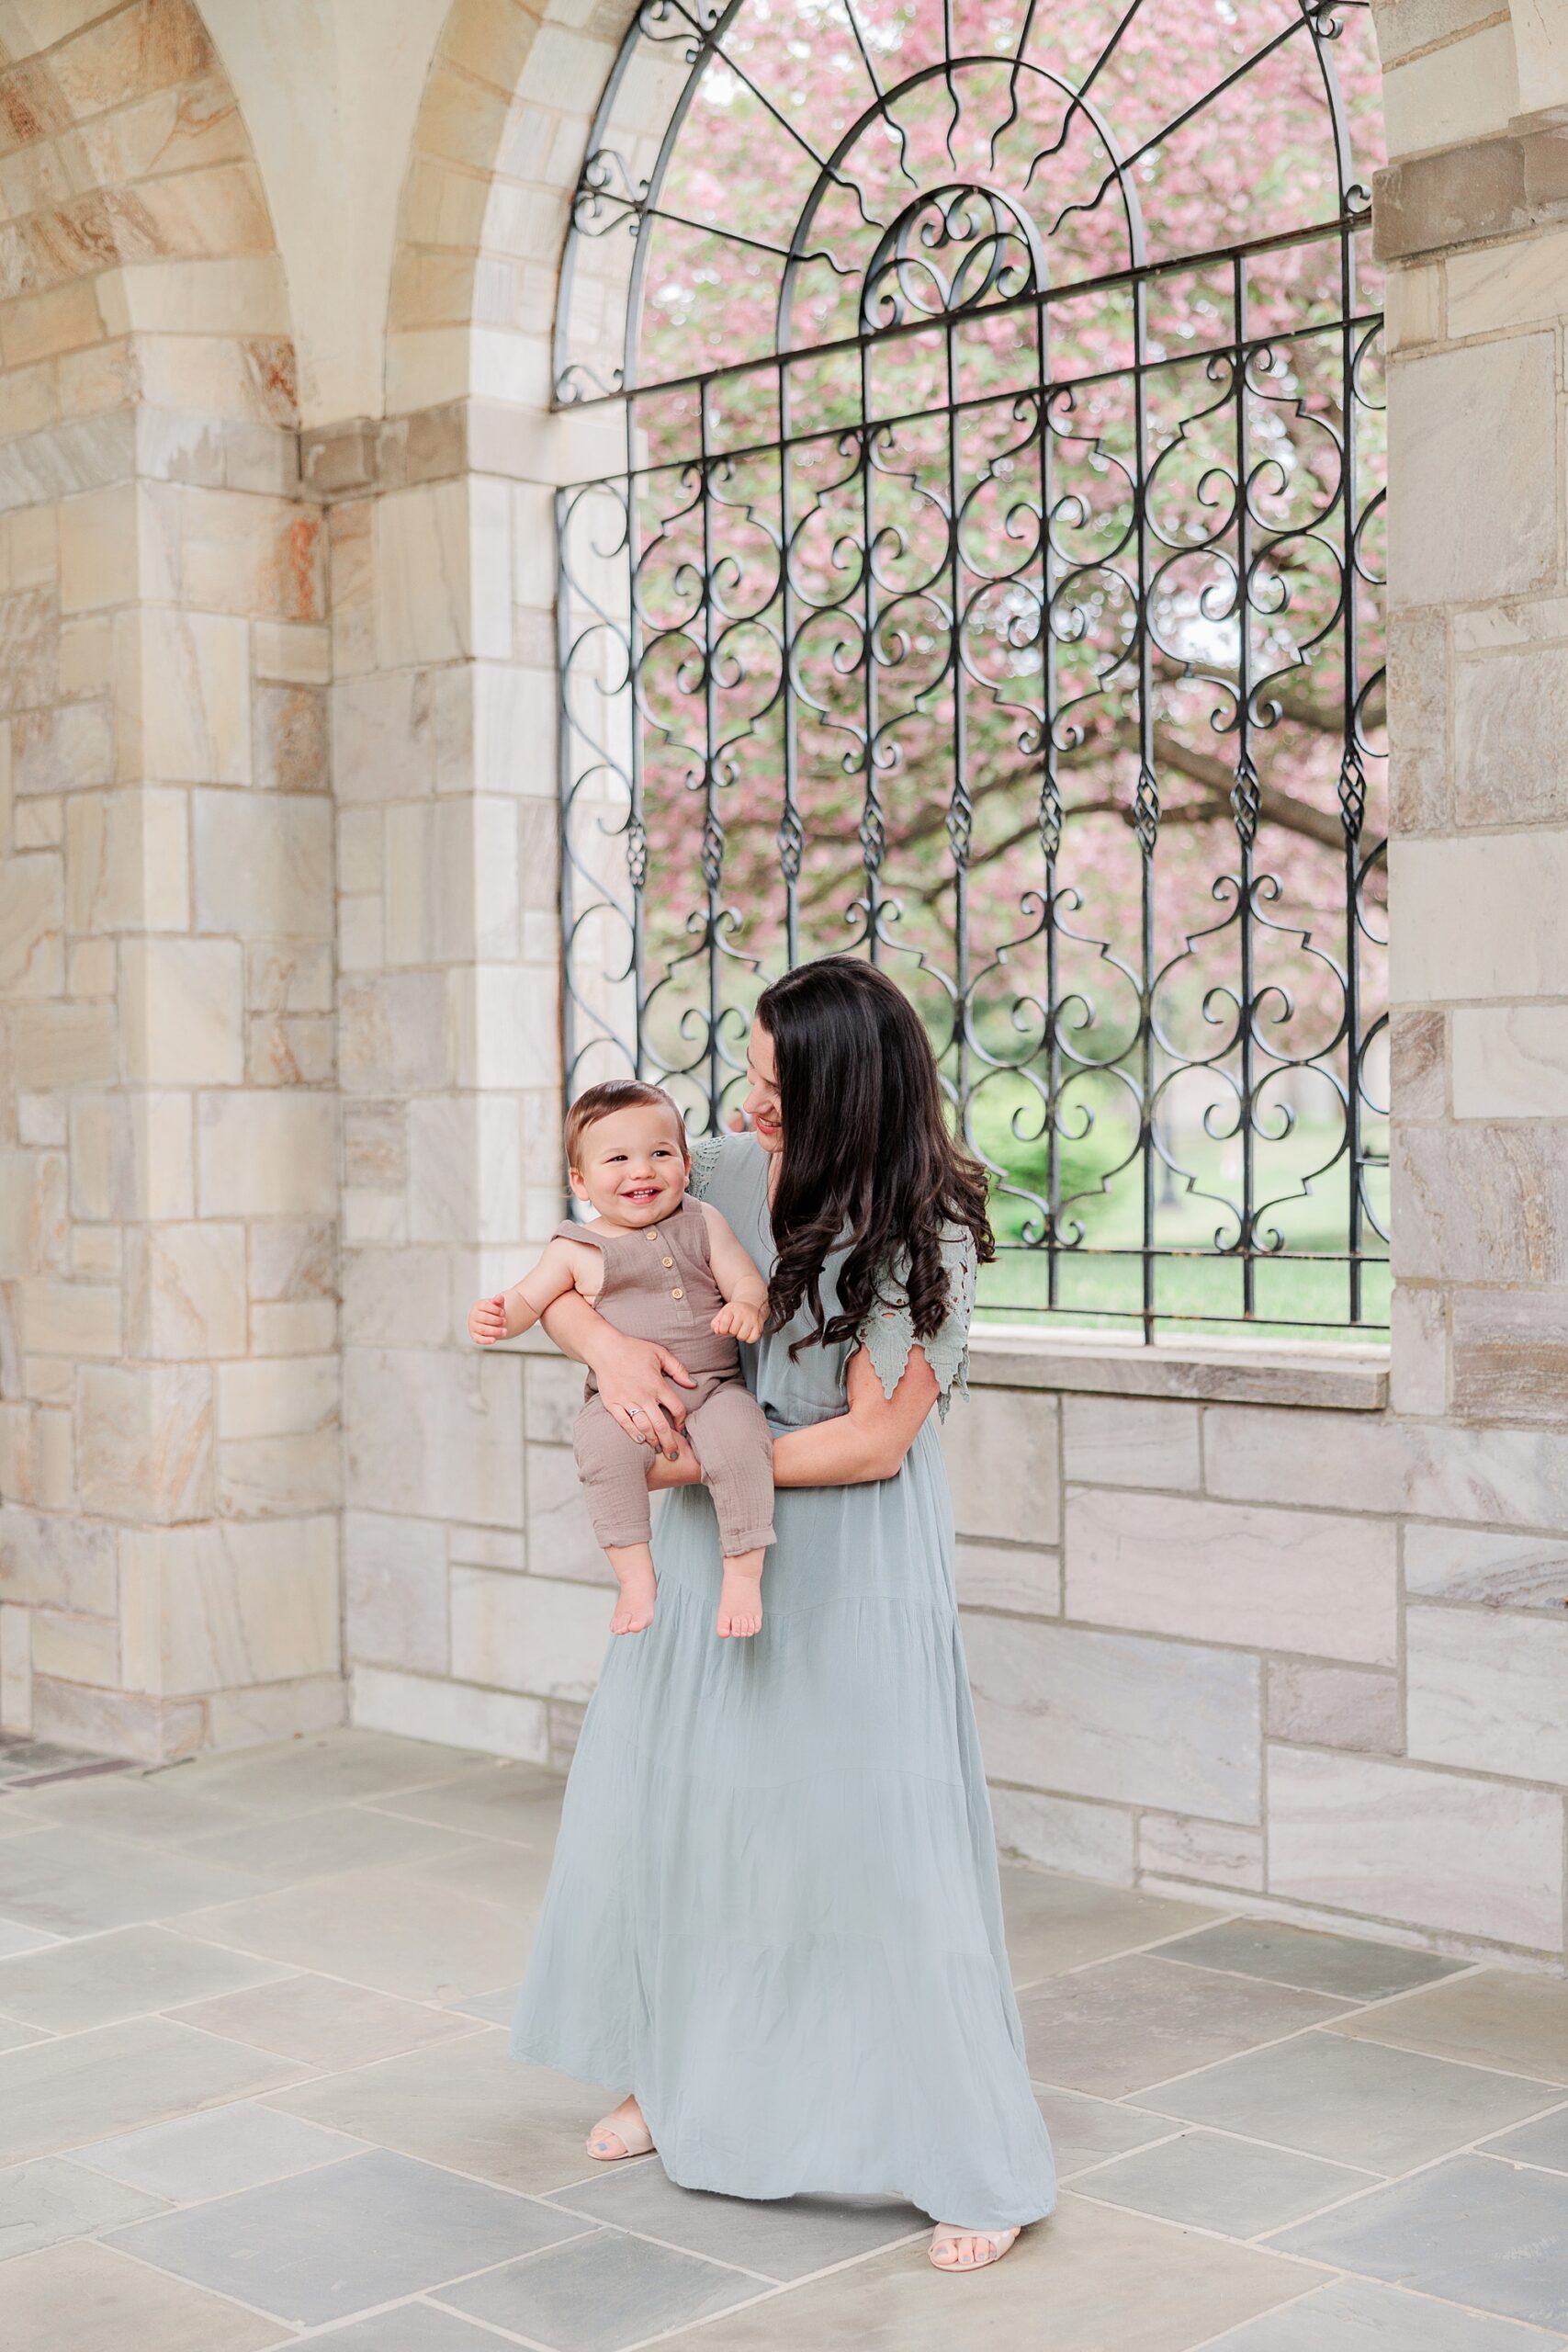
[(1000, 2242), (605, 2132)]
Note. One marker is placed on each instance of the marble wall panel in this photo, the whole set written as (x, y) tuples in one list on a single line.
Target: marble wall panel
[(184, 1003), (1488, 1690), (1001, 1449), (1479, 1564), (395, 1591), (1333, 1707), (1214, 1853), (144, 1441), (1060, 1833), (1434, 1850), (264, 864), (434, 1434), (220, 1606), (1482, 421), (127, 861), (267, 1154), (187, 1294), (1130, 1442), (1316, 1581), (1018, 1578), (1128, 1720), (454, 1714), (1510, 1062), (50, 1561), (528, 1633)]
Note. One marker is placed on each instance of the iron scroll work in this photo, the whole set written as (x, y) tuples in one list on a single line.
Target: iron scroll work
[(1003, 603)]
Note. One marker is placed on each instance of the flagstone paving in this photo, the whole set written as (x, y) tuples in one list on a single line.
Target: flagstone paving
[(254, 2091)]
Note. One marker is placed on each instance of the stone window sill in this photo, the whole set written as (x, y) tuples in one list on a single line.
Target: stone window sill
[(1244, 1371)]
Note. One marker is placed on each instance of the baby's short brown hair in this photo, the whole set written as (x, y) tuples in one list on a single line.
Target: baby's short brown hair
[(597, 1102)]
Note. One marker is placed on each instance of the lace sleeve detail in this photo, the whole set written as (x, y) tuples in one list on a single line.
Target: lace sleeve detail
[(706, 1154), (888, 1333)]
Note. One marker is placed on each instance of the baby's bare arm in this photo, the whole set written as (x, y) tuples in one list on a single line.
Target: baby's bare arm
[(564, 1266), (745, 1292)]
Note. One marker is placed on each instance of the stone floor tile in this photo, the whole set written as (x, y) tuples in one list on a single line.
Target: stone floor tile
[(154, 1808), (1544, 2143), (375, 1928), (521, 1802), (1471, 2230), (367, 2230), (84, 2086), (1490, 2019), (128, 1973), (1353, 2315), (217, 2153), (14, 1937), (1234, 2187), (1056, 1923), (1343, 1966), (1086, 2131), (1130, 2023), (783, 2240), (494, 2008), (602, 2293), (83, 2298), (331, 1768), (468, 2105), (1092, 2279), (497, 1870), (1355, 2102), (306, 1845), (74, 1884), (412, 2328), (323, 2023), (53, 2199)]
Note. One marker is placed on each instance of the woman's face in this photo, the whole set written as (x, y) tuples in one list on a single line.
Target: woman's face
[(762, 1100)]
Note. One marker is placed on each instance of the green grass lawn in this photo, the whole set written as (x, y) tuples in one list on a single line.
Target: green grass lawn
[(1303, 1295)]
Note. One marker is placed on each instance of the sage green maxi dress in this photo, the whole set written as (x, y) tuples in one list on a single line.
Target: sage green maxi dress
[(774, 1912)]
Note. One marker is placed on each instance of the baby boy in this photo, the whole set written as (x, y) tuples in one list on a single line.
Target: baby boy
[(658, 1266)]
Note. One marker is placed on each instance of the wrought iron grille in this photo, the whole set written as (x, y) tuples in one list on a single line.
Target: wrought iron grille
[(998, 596)]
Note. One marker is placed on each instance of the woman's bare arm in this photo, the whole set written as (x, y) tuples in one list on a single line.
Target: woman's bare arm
[(636, 1377), (868, 1442)]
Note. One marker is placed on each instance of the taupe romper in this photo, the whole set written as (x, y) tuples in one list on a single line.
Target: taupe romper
[(658, 1284)]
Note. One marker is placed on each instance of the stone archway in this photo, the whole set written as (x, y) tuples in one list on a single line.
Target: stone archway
[(1401, 1764)]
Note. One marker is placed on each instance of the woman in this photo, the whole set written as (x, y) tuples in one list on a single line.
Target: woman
[(774, 1911)]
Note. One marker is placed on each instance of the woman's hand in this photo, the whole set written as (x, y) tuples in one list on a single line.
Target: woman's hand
[(637, 1381), (640, 1380), (681, 1469)]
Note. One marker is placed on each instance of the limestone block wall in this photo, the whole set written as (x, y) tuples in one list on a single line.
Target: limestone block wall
[(1307, 1657), (442, 564), (169, 1448)]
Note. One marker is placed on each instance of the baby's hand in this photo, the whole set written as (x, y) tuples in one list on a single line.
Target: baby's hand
[(486, 1320), (739, 1321)]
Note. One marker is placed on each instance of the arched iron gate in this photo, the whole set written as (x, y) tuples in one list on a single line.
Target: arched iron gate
[(995, 593)]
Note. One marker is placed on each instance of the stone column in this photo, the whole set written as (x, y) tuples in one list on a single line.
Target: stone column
[(444, 762), (168, 1177), (1477, 240)]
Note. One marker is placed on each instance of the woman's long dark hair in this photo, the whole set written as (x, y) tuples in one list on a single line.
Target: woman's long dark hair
[(867, 1155)]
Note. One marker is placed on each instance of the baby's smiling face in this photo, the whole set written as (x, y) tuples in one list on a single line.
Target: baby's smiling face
[(633, 1166)]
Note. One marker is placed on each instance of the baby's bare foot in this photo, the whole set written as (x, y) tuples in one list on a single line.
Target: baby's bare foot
[(633, 1611), (739, 1602)]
